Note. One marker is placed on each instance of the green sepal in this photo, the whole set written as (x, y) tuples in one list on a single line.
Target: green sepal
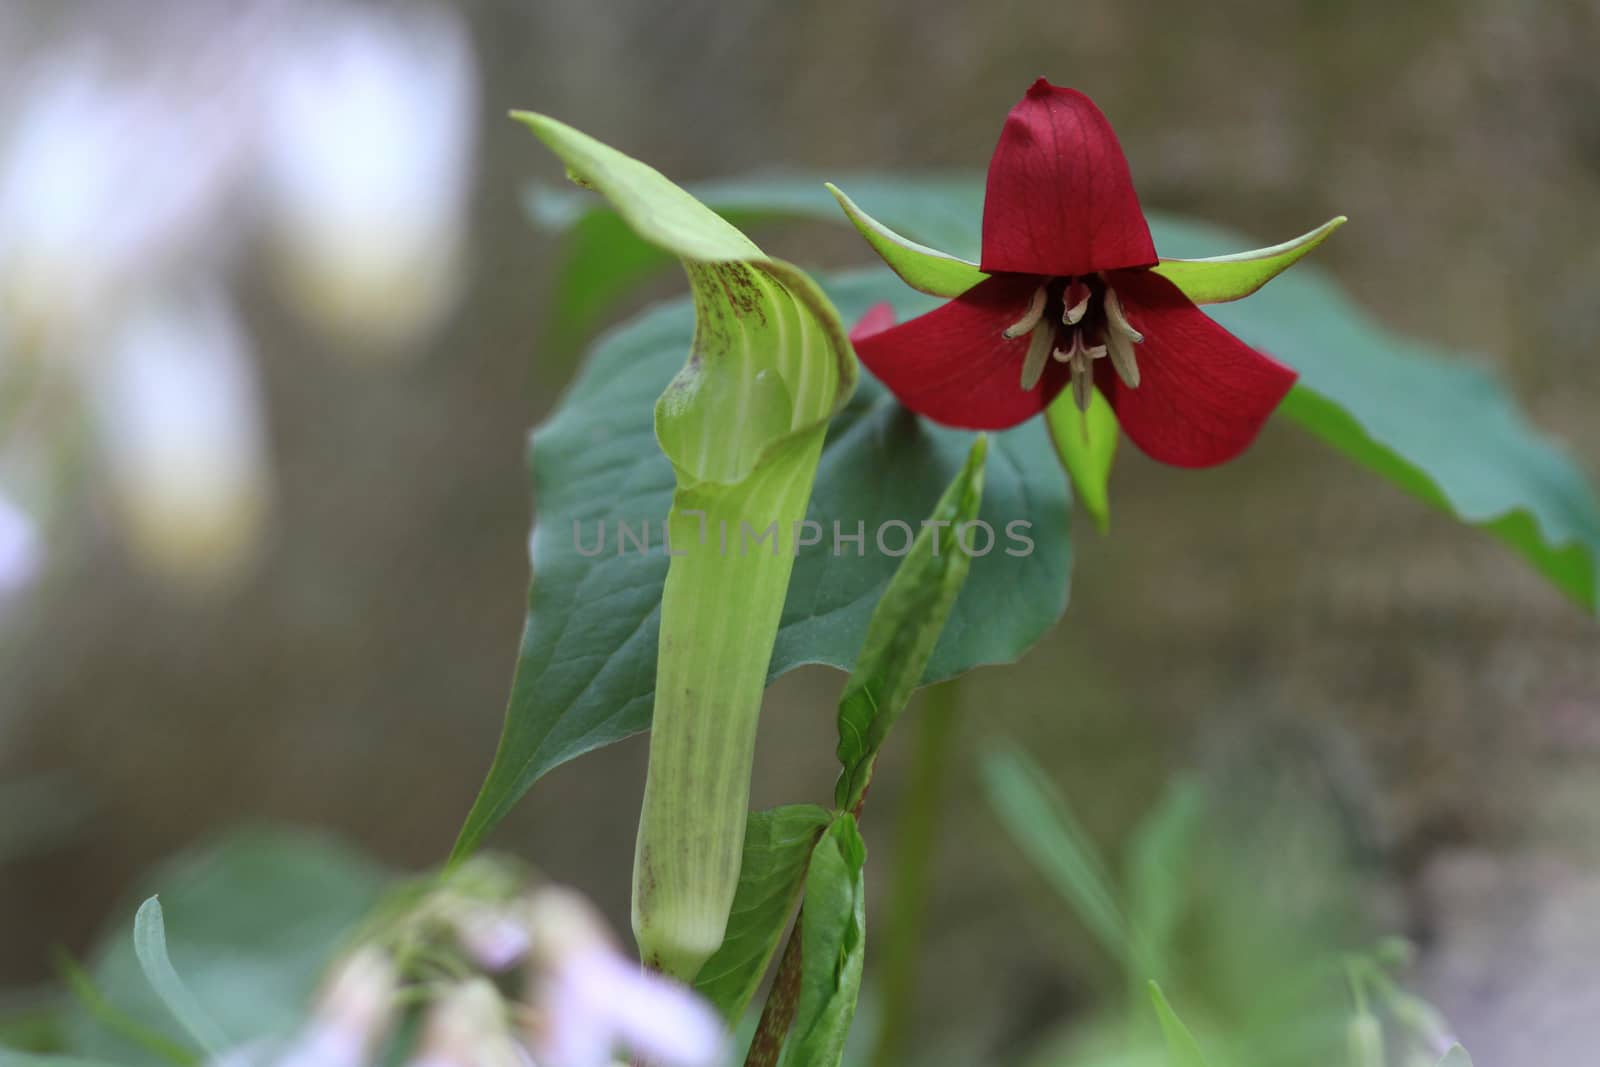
[(1219, 279), (1086, 442), (925, 269)]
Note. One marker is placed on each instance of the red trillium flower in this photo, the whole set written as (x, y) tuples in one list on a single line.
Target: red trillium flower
[(1070, 293)]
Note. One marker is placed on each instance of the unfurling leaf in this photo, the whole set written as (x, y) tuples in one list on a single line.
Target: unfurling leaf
[(833, 948), (906, 624)]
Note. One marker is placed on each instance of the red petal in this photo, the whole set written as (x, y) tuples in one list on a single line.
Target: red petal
[(1203, 394), (878, 317), (1060, 200), (953, 365)]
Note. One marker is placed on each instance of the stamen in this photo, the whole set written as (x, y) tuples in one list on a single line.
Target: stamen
[(1122, 358), (1030, 318), (1118, 320), (1044, 334), (1075, 302)]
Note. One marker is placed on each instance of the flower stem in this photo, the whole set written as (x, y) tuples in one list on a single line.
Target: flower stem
[(778, 1013), (915, 840)]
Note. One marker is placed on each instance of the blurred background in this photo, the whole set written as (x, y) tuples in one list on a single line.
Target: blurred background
[(268, 360)]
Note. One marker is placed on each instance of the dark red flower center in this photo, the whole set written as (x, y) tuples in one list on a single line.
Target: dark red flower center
[(1076, 320)]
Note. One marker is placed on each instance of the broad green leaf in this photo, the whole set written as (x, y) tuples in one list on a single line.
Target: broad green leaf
[(1218, 279), (904, 628), (586, 669), (1456, 1057), (777, 848), (150, 947), (1441, 428), (833, 940), (255, 918), (1181, 1045), (1086, 441), (1043, 826), (925, 269)]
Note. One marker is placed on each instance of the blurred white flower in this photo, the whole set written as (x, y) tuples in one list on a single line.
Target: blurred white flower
[(367, 147), (130, 142), (468, 1027), (589, 1000), (21, 553), (352, 1014), (179, 414), (105, 185)]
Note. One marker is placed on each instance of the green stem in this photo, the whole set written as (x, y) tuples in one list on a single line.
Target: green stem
[(914, 840)]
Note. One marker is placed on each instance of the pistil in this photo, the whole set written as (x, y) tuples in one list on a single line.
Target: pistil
[(1080, 358)]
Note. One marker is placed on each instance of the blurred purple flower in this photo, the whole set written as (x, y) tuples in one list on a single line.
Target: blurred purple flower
[(598, 1001), (589, 1000)]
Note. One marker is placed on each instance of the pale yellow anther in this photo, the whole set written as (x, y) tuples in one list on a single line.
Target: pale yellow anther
[(1030, 318), (1044, 335), (1117, 320), (1122, 358)]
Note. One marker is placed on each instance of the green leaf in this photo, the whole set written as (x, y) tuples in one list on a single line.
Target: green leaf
[(1040, 822), (1442, 429), (255, 918), (1456, 1057), (777, 848), (833, 941), (108, 1016), (904, 628), (925, 269), (1444, 451), (1159, 879), (150, 946), (1086, 441), (1218, 279), (586, 669), (10, 1057), (1181, 1045)]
